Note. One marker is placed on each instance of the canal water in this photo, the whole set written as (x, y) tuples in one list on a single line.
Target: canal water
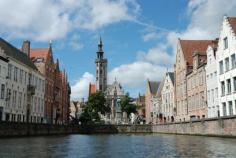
[(118, 146)]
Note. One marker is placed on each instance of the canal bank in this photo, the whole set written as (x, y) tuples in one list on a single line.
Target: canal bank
[(221, 127)]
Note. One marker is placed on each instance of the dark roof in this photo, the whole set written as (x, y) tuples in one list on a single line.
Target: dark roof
[(232, 22), (189, 46), (172, 76), (15, 53), (160, 88), (153, 86)]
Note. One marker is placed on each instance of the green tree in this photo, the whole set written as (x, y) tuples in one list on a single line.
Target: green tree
[(127, 105), (96, 104)]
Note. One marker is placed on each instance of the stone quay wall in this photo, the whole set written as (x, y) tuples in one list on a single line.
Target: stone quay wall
[(11, 129), (222, 127)]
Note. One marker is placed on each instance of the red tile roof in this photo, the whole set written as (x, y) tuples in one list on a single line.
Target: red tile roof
[(189, 46), (92, 88), (39, 52), (232, 22)]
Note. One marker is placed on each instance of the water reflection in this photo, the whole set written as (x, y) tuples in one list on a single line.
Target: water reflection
[(116, 146)]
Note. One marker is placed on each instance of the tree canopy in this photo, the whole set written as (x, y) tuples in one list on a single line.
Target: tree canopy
[(96, 104), (127, 105)]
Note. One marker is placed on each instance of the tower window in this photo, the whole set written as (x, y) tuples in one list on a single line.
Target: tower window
[(100, 71)]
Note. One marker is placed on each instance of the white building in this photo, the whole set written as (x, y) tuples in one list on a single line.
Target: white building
[(24, 99), (76, 109), (168, 100), (113, 94), (227, 67), (212, 81), (3, 75)]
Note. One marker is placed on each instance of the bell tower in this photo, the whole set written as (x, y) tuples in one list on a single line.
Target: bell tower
[(101, 69)]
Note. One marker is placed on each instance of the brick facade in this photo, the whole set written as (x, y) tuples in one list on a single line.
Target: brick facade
[(57, 89)]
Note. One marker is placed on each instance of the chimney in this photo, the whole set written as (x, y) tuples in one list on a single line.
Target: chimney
[(26, 47)]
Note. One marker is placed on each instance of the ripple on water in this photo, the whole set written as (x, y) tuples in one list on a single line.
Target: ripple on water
[(118, 145)]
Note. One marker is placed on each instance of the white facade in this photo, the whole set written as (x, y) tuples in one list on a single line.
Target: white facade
[(154, 108), (3, 75), (212, 82), (226, 65), (20, 78), (168, 100), (113, 95), (24, 88)]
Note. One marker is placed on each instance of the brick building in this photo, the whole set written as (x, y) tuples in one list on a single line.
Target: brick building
[(183, 66), (57, 88)]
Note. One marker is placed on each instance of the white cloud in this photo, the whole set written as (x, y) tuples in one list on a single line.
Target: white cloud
[(206, 17), (45, 20), (157, 55), (76, 43), (136, 74), (40, 20), (80, 88), (205, 20), (99, 13)]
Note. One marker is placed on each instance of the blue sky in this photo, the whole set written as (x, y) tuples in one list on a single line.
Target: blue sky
[(139, 36)]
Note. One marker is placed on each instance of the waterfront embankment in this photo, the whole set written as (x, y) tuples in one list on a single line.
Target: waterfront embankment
[(222, 127)]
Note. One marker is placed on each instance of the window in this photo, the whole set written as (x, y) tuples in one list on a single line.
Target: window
[(8, 97), (14, 99), (221, 67), (9, 71), (222, 88), (21, 76), (216, 91), (226, 64), (2, 91), (212, 94), (233, 61), (234, 83), (230, 108), (225, 43), (224, 109), (20, 99), (229, 86), (15, 73), (208, 95)]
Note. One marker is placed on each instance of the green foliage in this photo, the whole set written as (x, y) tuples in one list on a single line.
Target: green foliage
[(96, 104), (85, 117), (127, 105)]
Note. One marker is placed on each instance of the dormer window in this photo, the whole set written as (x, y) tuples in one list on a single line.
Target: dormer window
[(225, 43)]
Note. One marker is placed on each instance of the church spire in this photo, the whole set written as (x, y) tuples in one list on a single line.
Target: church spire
[(100, 50), (100, 45), (101, 68)]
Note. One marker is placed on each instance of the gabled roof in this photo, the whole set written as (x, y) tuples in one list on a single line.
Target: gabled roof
[(189, 46), (153, 86), (232, 22), (15, 53), (39, 52), (172, 76), (160, 88)]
